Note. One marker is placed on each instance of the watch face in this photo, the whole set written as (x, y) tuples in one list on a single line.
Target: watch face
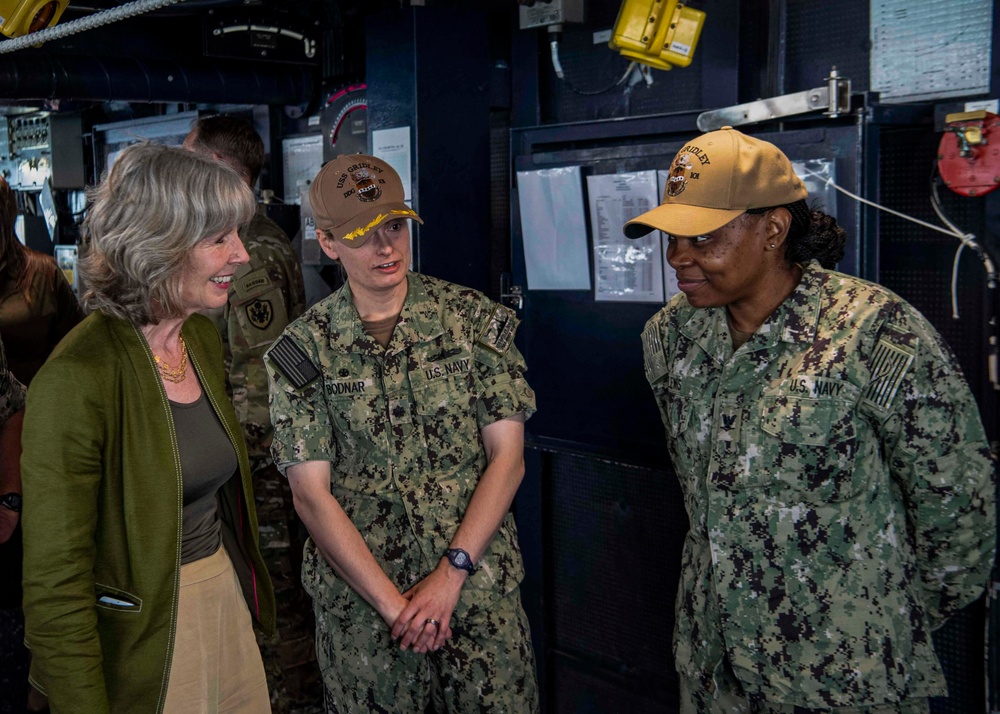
[(461, 559), (11, 501)]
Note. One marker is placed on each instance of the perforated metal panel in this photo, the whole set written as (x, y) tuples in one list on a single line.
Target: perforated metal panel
[(960, 645), (499, 199), (613, 554), (589, 68), (916, 264), (819, 35)]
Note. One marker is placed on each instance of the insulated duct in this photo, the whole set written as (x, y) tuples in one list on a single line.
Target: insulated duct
[(41, 76)]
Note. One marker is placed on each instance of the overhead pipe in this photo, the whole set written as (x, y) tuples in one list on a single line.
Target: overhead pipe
[(42, 76)]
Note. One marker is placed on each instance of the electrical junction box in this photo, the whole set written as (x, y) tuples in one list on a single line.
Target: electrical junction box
[(542, 13), (659, 33)]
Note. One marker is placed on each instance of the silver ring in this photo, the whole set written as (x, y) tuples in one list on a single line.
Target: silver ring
[(431, 621)]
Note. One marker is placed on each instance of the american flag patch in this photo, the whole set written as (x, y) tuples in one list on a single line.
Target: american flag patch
[(654, 360), (888, 367), (293, 362)]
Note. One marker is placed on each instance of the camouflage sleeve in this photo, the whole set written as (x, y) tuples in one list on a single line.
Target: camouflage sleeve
[(277, 253), (295, 285), (303, 430), (11, 391), (500, 367), (937, 450)]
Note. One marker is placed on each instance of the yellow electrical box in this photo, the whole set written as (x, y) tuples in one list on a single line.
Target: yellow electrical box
[(660, 33), (22, 17)]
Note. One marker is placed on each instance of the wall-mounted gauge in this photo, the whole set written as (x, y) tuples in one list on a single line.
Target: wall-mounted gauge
[(344, 121), (273, 40)]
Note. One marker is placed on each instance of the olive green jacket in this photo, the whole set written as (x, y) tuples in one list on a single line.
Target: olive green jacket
[(102, 517)]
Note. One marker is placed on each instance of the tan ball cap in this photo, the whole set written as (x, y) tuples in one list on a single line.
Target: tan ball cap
[(354, 194), (715, 178)]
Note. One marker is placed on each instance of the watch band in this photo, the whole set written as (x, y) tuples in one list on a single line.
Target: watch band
[(11, 501)]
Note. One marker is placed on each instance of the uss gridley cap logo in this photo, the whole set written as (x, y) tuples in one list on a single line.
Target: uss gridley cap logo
[(365, 186), (679, 173)]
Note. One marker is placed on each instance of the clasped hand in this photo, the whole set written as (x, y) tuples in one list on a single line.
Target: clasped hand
[(424, 624)]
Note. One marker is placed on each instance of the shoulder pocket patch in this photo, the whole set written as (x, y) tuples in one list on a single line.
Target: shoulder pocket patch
[(889, 365), (293, 362), (499, 331)]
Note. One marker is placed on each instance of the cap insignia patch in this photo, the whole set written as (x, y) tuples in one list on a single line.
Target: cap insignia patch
[(365, 186), (679, 174)]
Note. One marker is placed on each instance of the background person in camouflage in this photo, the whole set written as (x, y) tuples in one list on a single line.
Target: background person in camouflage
[(399, 405), (266, 295), (834, 467)]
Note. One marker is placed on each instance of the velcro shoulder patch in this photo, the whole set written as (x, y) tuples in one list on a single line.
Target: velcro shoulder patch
[(499, 331), (654, 359), (253, 283), (287, 356), (889, 364)]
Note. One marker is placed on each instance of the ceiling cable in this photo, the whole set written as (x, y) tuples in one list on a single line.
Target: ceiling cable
[(85, 23)]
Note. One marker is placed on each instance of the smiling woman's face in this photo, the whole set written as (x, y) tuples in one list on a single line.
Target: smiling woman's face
[(725, 266), (209, 272)]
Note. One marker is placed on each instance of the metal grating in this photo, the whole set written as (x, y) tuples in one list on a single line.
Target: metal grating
[(589, 67), (960, 645), (612, 561), (916, 263), (499, 199), (820, 35), (578, 690)]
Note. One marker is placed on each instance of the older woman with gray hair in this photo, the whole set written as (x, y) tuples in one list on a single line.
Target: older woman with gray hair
[(142, 571)]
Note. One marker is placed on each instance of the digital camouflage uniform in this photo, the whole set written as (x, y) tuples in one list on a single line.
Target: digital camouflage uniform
[(401, 429), (839, 489), (11, 391), (266, 295)]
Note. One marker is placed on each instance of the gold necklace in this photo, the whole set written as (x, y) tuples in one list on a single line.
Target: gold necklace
[(174, 374)]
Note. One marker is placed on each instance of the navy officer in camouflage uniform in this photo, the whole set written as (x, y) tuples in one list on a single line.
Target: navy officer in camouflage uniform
[(834, 466), (266, 294), (398, 406)]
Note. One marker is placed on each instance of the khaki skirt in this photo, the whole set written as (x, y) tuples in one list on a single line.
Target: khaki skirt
[(216, 666)]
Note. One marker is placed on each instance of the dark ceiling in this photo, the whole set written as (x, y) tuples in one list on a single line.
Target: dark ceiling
[(200, 51)]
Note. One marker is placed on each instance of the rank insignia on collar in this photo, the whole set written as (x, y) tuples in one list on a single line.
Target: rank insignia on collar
[(260, 313)]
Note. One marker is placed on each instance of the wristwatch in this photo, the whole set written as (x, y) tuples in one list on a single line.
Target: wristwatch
[(11, 501), (460, 559)]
